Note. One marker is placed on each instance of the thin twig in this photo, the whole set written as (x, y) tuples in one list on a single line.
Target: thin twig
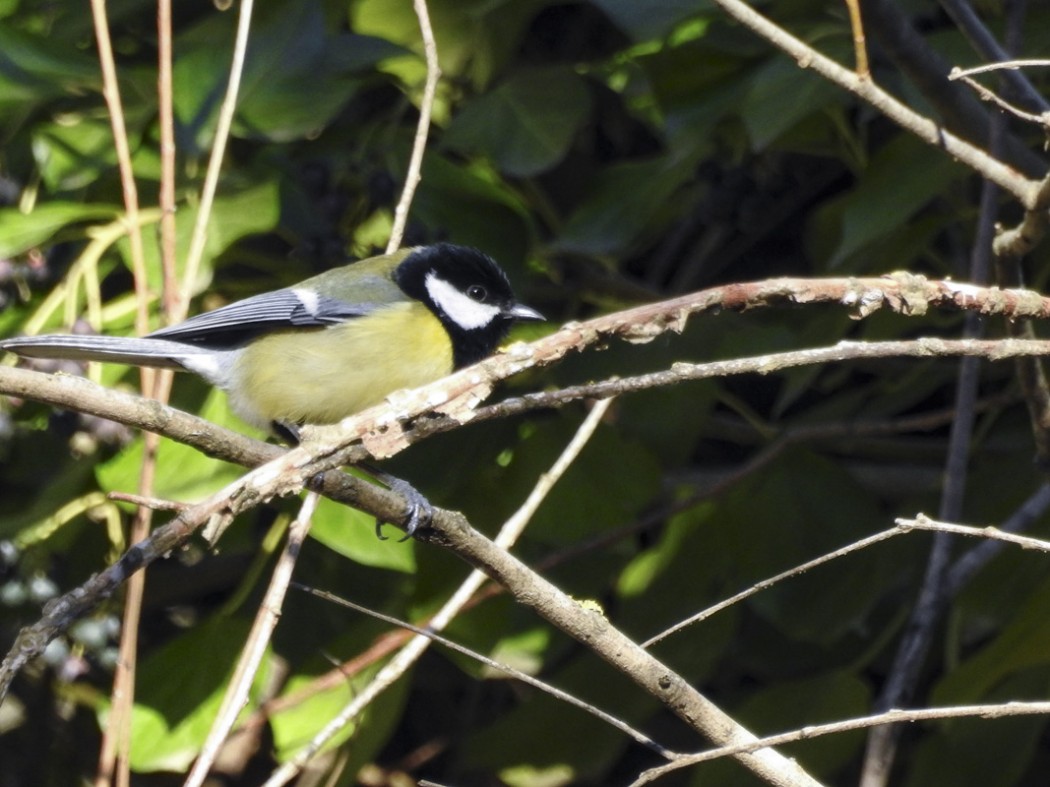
[(1005, 64), (988, 47), (1000, 711), (860, 48), (147, 502), (218, 150), (1024, 190), (426, 107), (1043, 118), (100, 239), (430, 635), (126, 668), (111, 93), (923, 522), (166, 122), (932, 601), (395, 422), (388, 643), (765, 584), (269, 613), (412, 177), (116, 738), (290, 472), (415, 648), (969, 563)]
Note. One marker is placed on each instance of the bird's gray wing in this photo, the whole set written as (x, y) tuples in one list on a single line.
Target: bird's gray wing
[(288, 308)]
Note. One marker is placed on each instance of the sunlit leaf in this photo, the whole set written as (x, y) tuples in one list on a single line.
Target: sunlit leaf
[(180, 688), (298, 722), (20, 231), (183, 473), (352, 534)]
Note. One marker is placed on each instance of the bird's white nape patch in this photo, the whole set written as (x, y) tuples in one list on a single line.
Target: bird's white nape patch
[(309, 300), (464, 311)]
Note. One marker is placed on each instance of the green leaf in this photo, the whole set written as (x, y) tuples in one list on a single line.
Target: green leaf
[(294, 727), (545, 733), (643, 21), (956, 752), (765, 537), (498, 630), (236, 213), (281, 97), (74, 153), (685, 575), (183, 473), (33, 70), (780, 95), (352, 533), (578, 506), (527, 124), (296, 724), (792, 704), (20, 231), (470, 204), (1022, 645), (475, 38), (531, 776), (640, 573), (180, 687), (621, 205), (900, 180)]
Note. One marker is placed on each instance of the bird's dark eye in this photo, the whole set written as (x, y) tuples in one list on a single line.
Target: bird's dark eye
[(477, 293)]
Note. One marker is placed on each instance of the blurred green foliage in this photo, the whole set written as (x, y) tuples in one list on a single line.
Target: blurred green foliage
[(607, 153)]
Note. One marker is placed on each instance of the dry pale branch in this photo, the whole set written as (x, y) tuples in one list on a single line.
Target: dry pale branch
[(266, 619), (389, 428), (999, 711), (1027, 192), (1033, 195), (923, 522), (415, 647), (382, 431), (902, 526), (218, 151), (1042, 118), (419, 144), (429, 634)]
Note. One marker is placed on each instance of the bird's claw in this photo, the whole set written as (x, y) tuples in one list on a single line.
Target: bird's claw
[(419, 512)]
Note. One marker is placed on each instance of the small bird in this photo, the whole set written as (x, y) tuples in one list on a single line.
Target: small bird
[(334, 344)]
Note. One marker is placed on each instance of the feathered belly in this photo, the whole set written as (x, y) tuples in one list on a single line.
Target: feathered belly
[(322, 375)]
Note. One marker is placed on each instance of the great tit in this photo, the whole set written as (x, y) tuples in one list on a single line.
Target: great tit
[(331, 346)]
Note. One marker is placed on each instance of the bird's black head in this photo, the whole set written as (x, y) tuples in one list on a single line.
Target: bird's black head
[(468, 292)]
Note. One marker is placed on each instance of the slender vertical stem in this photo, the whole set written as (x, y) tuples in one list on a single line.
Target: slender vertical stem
[(426, 106), (218, 150)]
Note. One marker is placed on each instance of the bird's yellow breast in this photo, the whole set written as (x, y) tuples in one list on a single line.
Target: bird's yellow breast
[(322, 375)]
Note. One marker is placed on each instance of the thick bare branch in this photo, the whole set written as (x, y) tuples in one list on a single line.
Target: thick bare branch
[(382, 432)]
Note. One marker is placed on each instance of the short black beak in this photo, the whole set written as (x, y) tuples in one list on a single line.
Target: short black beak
[(520, 311)]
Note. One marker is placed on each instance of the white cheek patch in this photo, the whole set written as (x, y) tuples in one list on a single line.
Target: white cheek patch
[(463, 311)]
